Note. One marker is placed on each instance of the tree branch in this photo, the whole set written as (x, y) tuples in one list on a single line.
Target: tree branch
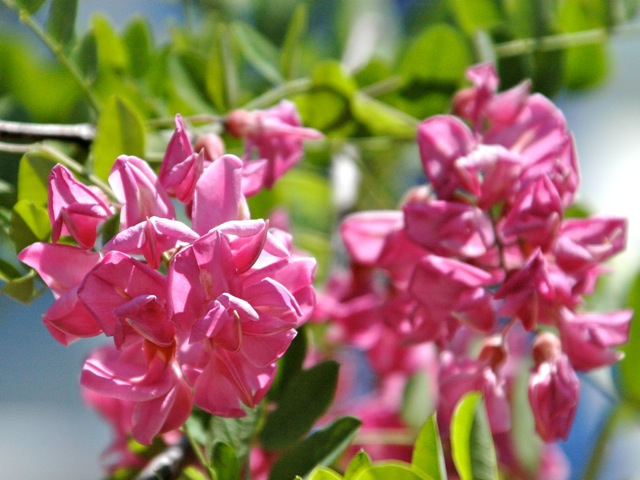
[(79, 132)]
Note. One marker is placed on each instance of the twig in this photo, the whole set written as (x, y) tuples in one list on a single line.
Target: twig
[(80, 132), (168, 464)]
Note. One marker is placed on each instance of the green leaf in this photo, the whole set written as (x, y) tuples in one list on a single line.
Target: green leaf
[(258, 51), (382, 119), (392, 469), (31, 6), (112, 57), (33, 176), (306, 397), (630, 379), (138, 43), (427, 61), (427, 451), (235, 432), (321, 448), (22, 289), (62, 20), (471, 443), (86, 56), (360, 461), (417, 404), (290, 364), (587, 65), (192, 473), (29, 224), (474, 15), (324, 473), (222, 74), (120, 132), (224, 462), (291, 48)]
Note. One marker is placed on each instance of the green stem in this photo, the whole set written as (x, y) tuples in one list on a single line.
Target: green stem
[(560, 41), (267, 99), (196, 449), (57, 50)]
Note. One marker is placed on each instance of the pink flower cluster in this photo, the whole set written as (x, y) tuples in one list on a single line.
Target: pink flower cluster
[(482, 265), (198, 312)]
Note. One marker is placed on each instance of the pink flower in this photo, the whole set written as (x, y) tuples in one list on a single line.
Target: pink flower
[(178, 150), (127, 298), (218, 196), (74, 208), (453, 291), (235, 298), (449, 228), (275, 135), (588, 337), (63, 268), (139, 191), (535, 216), (528, 293), (150, 378), (151, 239), (554, 389), (584, 243), (443, 140)]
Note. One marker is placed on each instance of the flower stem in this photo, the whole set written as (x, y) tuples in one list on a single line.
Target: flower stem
[(196, 448), (560, 41), (282, 91)]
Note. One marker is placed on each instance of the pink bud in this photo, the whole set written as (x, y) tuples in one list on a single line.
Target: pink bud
[(554, 389)]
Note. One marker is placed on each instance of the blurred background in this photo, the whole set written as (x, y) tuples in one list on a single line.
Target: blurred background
[(45, 431)]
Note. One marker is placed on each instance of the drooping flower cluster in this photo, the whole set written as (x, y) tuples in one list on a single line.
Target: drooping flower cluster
[(482, 264), (198, 313)]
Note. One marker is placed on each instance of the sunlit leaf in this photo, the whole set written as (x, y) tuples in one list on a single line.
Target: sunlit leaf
[(235, 432), (33, 176), (471, 442), (321, 448), (112, 56), (86, 55), (120, 132), (324, 473), (391, 470), (360, 461), (426, 60), (474, 15), (427, 451), (314, 388), (258, 51), (586, 65), (29, 224), (62, 19)]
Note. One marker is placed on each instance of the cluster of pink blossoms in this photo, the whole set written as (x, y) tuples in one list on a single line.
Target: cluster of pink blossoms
[(480, 273), (199, 313)]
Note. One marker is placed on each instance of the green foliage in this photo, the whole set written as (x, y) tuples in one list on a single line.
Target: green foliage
[(314, 388), (61, 20), (471, 442), (428, 455), (320, 448), (120, 129), (630, 380)]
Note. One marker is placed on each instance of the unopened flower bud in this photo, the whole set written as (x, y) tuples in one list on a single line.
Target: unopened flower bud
[(493, 353), (546, 348), (212, 145)]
